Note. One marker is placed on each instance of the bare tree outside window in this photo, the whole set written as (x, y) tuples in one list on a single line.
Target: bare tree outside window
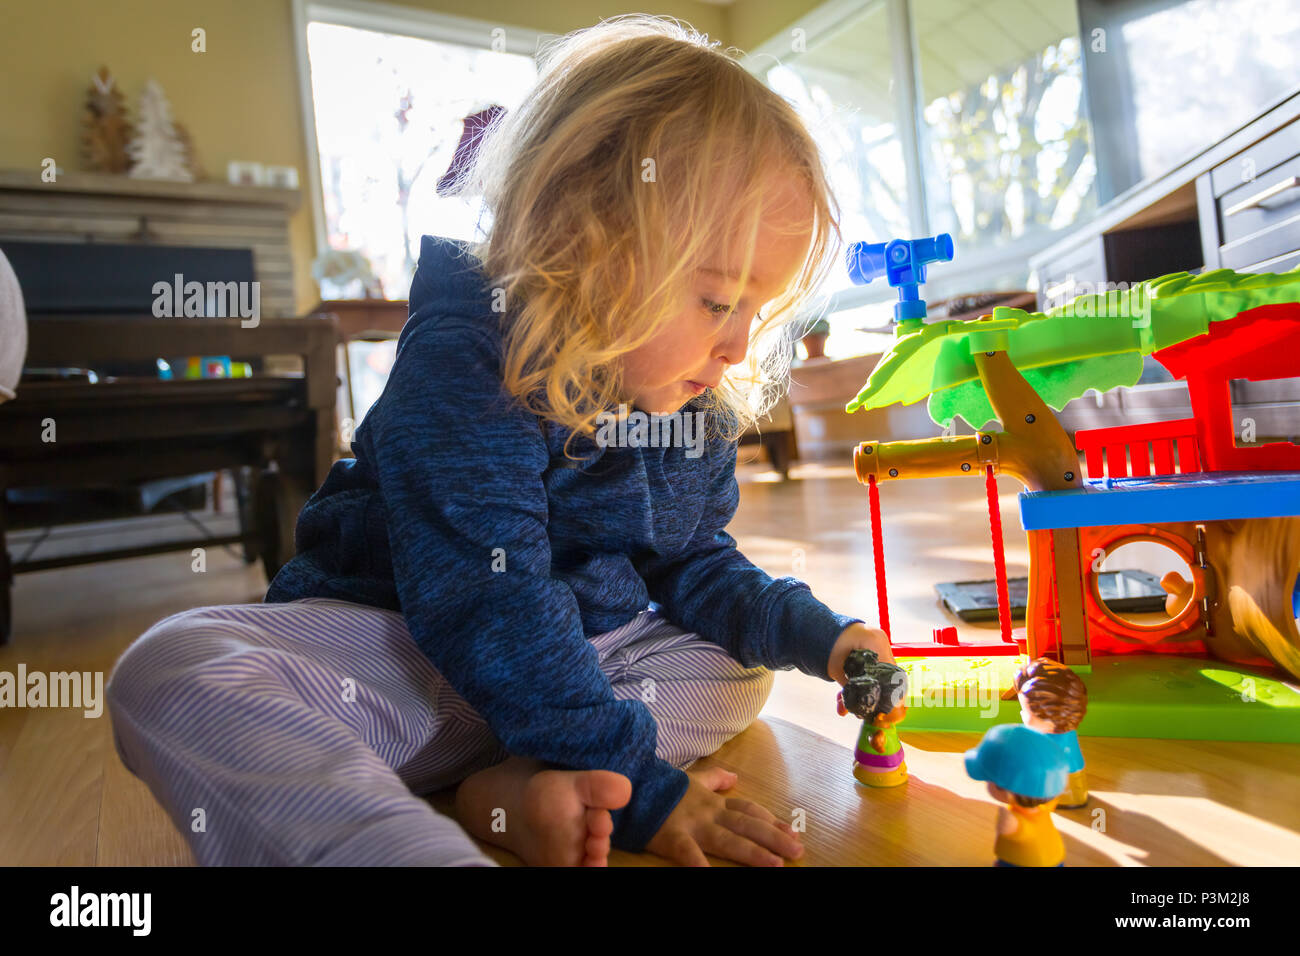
[(1010, 150)]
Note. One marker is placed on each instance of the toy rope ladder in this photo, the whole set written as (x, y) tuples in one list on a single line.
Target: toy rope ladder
[(999, 556), (878, 555)]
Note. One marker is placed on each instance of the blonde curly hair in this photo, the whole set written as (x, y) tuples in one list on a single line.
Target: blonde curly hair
[(641, 149)]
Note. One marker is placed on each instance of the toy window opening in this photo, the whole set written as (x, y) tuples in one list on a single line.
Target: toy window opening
[(1158, 558), (1257, 411)]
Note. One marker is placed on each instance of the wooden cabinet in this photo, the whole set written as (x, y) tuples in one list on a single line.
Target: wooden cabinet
[(366, 318), (1082, 268), (1124, 256), (1236, 205), (1249, 206)]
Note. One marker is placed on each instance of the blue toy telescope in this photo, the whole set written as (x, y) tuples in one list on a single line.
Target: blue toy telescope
[(902, 262)]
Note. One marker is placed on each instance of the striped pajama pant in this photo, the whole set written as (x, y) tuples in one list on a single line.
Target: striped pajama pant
[(303, 733)]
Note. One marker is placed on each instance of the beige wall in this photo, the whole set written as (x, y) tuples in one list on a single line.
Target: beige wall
[(239, 99), (751, 22)]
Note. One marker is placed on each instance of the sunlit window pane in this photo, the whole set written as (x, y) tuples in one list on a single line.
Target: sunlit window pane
[(1175, 78), (841, 89), (388, 118), (1007, 146)]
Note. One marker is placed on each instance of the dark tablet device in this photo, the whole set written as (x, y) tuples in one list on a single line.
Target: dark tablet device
[(1121, 590)]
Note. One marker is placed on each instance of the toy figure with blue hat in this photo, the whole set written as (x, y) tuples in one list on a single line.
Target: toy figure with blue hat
[(1026, 770)]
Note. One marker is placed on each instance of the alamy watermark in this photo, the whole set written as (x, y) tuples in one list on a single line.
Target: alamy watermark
[(129, 910), (1091, 299), (181, 299), (980, 690), (83, 689), (637, 429)]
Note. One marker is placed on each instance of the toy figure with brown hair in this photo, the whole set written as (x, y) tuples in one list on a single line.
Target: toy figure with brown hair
[(875, 691), (1053, 699)]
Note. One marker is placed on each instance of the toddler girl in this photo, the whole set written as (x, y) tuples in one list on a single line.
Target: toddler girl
[(491, 592)]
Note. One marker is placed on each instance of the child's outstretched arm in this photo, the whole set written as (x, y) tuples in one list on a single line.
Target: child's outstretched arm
[(714, 590), (460, 472)]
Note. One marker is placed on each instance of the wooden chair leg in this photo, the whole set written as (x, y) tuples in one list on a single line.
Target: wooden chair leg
[(246, 506), (779, 448), (279, 498)]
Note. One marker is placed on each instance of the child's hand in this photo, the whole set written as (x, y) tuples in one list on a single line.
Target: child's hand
[(734, 829), (854, 637)]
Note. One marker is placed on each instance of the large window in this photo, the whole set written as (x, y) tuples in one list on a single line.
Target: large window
[(842, 88), (958, 116), (842, 85), (1007, 150), (388, 110), (1175, 77)]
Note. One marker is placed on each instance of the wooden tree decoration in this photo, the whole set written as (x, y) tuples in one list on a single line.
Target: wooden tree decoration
[(157, 151), (105, 129), (192, 161)]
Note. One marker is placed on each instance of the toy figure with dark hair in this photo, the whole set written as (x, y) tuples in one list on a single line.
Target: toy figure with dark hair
[(1053, 699), (1025, 769), (875, 691)]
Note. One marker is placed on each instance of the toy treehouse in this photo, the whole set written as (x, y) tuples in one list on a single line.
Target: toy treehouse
[(1223, 665)]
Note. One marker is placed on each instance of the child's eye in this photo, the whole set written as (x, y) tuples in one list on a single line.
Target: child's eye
[(718, 309), (721, 310)]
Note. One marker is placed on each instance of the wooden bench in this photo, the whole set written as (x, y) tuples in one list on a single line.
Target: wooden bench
[(128, 430)]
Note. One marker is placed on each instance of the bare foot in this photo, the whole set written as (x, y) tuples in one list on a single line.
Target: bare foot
[(545, 817)]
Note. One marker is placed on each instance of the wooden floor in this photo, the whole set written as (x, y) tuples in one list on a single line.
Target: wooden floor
[(68, 800)]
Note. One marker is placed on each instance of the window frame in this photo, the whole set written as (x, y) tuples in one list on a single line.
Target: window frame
[(385, 18)]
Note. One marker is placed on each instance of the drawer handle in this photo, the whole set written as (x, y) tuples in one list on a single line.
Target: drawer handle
[(1262, 196)]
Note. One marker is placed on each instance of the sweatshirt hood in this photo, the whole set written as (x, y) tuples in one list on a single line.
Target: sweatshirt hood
[(448, 281)]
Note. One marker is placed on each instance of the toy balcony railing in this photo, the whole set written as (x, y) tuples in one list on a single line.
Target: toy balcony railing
[(1157, 448)]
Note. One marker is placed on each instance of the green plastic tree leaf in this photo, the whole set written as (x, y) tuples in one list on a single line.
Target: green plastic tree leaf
[(1055, 384), (1093, 342)]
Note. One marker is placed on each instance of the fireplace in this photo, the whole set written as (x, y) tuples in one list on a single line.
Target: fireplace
[(118, 281)]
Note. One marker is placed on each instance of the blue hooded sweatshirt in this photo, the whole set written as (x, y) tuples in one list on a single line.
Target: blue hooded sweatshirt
[(461, 511)]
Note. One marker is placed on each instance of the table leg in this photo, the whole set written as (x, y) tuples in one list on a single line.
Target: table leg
[(780, 450), (279, 499), (6, 577)]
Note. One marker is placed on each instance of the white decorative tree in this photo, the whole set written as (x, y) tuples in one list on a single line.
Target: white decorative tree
[(156, 150)]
